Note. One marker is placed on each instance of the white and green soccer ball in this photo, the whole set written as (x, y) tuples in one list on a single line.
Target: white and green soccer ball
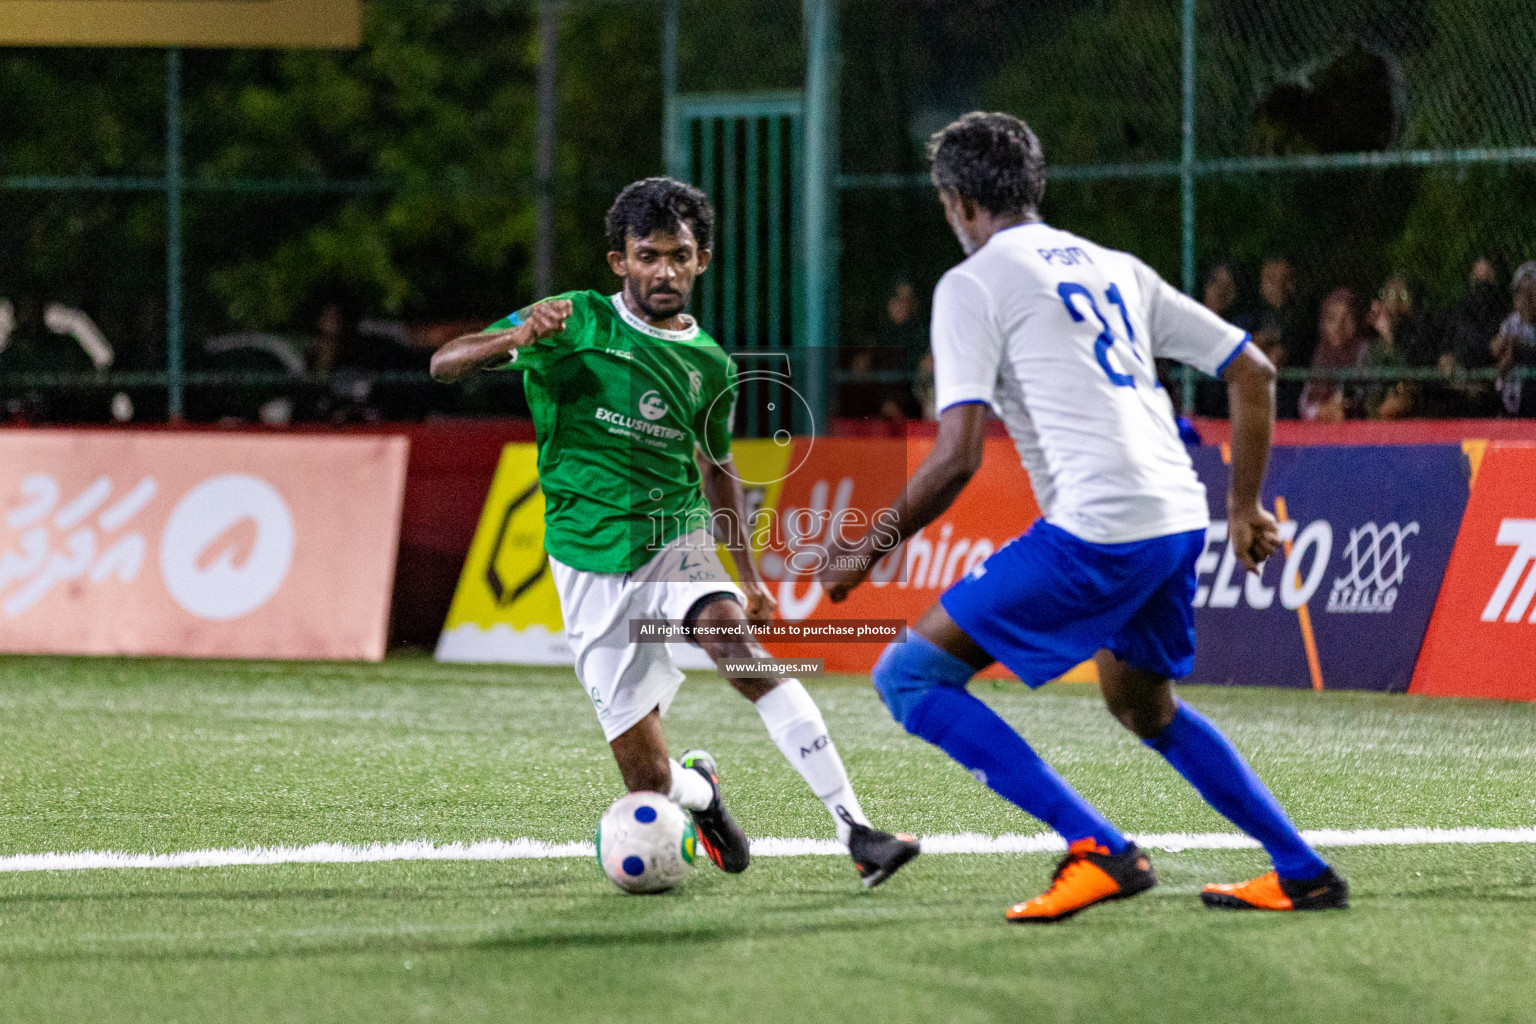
[(646, 843)]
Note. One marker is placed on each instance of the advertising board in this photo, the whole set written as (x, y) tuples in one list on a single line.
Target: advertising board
[(206, 545)]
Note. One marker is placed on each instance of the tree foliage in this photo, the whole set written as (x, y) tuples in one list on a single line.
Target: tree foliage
[(433, 120)]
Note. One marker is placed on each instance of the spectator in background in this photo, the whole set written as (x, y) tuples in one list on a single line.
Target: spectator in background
[(1514, 347), (351, 352), (1341, 344), (903, 328), (923, 389), (1279, 329), (1466, 344), (48, 339), (1220, 297), (859, 397), (345, 396), (1404, 340), (900, 345), (903, 345)]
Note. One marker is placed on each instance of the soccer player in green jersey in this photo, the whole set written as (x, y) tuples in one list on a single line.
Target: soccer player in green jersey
[(632, 407)]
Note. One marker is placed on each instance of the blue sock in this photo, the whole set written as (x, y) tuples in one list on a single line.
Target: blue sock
[(973, 734), (1210, 762)]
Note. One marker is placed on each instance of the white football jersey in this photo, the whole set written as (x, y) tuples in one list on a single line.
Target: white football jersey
[(1059, 335)]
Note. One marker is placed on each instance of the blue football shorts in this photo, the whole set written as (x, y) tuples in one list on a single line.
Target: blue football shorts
[(1047, 601)]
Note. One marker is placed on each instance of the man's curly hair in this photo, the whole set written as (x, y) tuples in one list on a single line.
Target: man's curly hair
[(993, 160), (659, 204)]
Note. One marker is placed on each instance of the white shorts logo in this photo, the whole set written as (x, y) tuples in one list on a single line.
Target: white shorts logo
[(221, 590), (651, 405)]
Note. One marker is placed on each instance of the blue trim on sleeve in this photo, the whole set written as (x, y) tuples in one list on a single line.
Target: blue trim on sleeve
[(965, 401), (513, 320), (1228, 361)]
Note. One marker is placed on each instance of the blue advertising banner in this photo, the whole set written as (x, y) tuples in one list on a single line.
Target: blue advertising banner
[(1345, 603)]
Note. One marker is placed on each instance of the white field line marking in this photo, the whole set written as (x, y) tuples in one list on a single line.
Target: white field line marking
[(533, 849)]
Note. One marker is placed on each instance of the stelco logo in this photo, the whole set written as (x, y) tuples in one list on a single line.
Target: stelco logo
[(1376, 565), (1376, 558), (651, 405)]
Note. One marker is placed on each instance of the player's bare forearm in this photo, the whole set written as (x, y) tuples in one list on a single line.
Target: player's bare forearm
[(727, 501), (1251, 393), (955, 458), (471, 352)]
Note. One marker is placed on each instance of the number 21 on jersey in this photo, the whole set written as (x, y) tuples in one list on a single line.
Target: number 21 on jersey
[(1068, 290)]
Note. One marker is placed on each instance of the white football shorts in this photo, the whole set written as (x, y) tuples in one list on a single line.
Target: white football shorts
[(624, 680)]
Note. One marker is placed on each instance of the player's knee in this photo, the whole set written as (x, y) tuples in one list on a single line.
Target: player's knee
[(1145, 712), (893, 684), (906, 672)]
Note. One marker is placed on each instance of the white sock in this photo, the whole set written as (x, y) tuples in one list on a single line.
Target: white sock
[(689, 788), (794, 722)]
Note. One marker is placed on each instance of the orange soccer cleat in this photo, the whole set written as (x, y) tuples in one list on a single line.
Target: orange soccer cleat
[(1271, 892), (1088, 874)]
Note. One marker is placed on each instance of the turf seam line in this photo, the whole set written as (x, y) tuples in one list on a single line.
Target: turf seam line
[(534, 849)]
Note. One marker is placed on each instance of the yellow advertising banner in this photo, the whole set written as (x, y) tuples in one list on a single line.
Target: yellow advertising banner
[(212, 23), (505, 608)]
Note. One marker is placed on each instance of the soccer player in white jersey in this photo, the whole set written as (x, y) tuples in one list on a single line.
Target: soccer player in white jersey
[(1058, 337), (632, 405)]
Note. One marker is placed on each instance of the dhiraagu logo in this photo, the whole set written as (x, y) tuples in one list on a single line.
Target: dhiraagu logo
[(651, 405)]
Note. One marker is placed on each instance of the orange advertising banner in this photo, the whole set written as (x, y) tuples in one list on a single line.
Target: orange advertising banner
[(841, 479), (205, 545), (1482, 638)]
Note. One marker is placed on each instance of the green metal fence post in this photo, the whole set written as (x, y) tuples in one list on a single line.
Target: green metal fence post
[(174, 364), (1187, 184), (751, 332), (672, 142), (820, 194), (708, 306), (545, 101), (776, 232), (726, 255)]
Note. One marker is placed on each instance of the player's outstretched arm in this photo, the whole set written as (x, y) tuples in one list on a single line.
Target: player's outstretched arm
[(955, 458), (485, 348), (726, 500), (1251, 390)]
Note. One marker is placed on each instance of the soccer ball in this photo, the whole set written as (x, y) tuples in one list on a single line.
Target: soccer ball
[(646, 843)]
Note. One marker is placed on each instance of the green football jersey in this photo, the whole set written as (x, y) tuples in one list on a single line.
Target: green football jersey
[(619, 408)]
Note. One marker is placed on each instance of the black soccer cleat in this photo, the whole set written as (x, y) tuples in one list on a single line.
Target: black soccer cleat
[(1327, 891), (723, 839), (878, 855)]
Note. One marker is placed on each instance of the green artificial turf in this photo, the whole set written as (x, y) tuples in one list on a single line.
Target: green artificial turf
[(175, 755)]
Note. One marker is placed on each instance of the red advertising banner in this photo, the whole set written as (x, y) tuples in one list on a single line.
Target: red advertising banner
[(828, 477), (206, 545), (1482, 638)]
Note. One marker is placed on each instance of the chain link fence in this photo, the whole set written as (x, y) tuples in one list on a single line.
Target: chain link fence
[(285, 235)]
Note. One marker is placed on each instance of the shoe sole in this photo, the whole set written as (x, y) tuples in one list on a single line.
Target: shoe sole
[(885, 871), (1226, 901)]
